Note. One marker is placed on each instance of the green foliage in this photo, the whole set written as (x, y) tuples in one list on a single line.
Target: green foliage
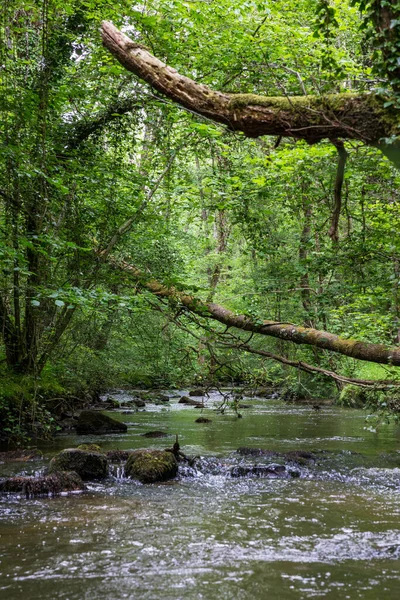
[(24, 416), (352, 396), (383, 406)]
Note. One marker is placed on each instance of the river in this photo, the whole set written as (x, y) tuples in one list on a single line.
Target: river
[(333, 532)]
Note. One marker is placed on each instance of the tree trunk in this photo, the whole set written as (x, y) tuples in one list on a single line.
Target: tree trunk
[(312, 118)]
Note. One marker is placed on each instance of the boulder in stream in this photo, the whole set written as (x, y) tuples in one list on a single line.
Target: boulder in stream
[(89, 465), (54, 484), (118, 455), (150, 466), (138, 402), (92, 422), (163, 398), (189, 401), (203, 420), (197, 392)]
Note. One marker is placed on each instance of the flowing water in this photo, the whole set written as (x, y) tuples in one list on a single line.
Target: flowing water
[(333, 532)]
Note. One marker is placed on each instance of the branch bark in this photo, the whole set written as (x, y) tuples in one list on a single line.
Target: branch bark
[(311, 118), (307, 368)]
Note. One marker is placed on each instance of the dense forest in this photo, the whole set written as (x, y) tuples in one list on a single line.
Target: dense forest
[(198, 193)]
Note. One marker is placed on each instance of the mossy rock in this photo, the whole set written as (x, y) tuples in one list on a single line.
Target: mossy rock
[(89, 465), (89, 447), (273, 470), (91, 422), (149, 466), (54, 484), (118, 455)]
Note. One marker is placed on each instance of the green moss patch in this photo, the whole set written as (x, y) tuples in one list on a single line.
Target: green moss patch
[(89, 465), (149, 466)]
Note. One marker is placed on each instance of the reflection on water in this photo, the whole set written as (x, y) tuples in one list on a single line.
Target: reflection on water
[(333, 533)]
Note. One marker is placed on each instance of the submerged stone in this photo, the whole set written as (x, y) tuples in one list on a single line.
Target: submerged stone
[(187, 400), (91, 422), (245, 451), (89, 465), (155, 434), (150, 466), (203, 420), (301, 457), (272, 470), (55, 483)]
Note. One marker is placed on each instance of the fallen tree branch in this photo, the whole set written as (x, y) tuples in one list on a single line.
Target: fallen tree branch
[(236, 343), (377, 353), (311, 118), (307, 368)]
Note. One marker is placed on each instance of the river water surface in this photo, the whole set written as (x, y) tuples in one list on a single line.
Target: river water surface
[(333, 532)]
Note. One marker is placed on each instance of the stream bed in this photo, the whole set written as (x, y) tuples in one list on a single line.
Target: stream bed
[(332, 532)]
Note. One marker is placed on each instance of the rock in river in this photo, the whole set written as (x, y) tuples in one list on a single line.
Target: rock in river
[(149, 466), (189, 401), (155, 434), (89, 465), (272, 470), (93, 422), (53, 484)]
